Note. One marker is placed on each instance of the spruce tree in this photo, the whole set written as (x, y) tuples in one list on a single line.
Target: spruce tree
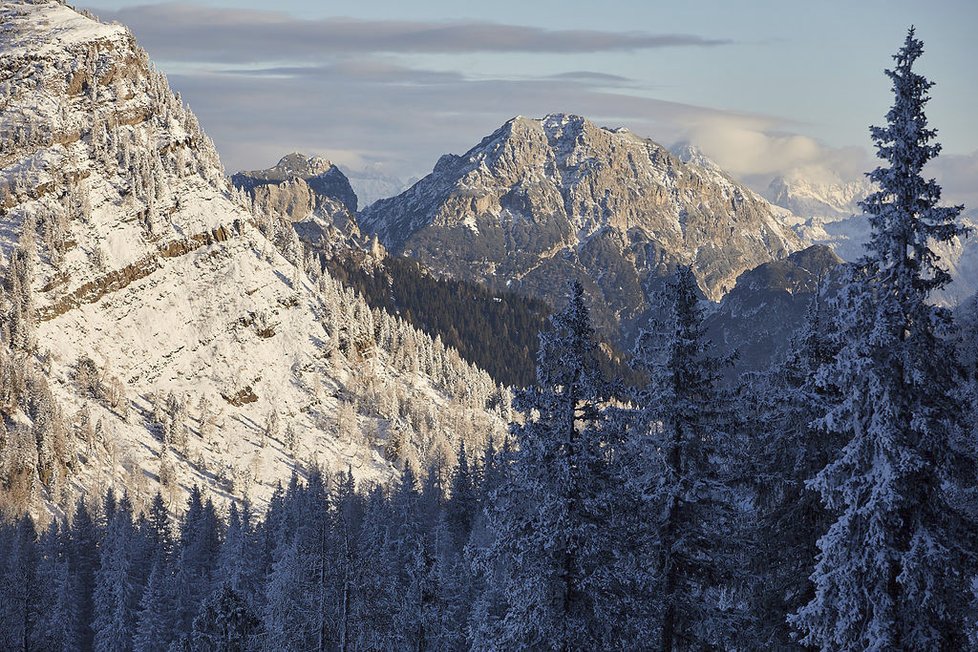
[(115, 595), (347, 519), (155, 621), (225, 624), (685, 445), (57, 609), (893, 567), (19, 617), (782, 408), (547, 521), (83, 563)]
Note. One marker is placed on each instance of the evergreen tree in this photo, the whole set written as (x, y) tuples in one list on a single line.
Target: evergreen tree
[(83, 564), (57, 623), (547, 520), (463, 502), (115, 594), (684, 445), (199, 546), (225, 624), (374, 596), (19, 617), (348, 515), (155, 621), (160, 534), (894, 566)]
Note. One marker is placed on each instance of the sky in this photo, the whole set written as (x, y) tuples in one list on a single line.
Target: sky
[(763, 87)]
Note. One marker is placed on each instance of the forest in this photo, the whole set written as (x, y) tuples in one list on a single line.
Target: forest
[(828, 502)]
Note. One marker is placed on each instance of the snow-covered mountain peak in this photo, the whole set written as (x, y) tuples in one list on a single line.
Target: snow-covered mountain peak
[(827, 200), (299, 165), (692, 155), (176, 337)]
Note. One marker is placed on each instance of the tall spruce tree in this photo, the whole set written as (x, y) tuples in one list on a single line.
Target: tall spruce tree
[(115, 594), (155, 621), (83, 563), (548, 518), (687, 438), (893, 568)]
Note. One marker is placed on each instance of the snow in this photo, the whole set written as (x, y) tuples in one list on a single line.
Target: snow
[(46, 28), (184, 309)]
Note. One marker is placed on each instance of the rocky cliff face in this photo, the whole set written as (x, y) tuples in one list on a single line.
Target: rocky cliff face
[(316, 197), (182, 338), (299, 185), (540, 202)]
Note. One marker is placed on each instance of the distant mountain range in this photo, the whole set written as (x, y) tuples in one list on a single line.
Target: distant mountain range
[(829, 213)]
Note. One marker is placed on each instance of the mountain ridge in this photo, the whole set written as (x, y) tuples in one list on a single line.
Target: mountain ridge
[(560, 197), (182, 339)]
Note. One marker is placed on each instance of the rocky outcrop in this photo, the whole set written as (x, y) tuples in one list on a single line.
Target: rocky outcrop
[(296, 186), (540, 202), (316, 197), (757, 319)]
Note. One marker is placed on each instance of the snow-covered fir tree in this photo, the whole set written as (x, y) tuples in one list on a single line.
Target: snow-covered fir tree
[(115, 597), (895, 565), (685, 447), (547, 519)]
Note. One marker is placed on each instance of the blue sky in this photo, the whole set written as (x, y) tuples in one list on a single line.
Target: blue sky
[(763, 87)]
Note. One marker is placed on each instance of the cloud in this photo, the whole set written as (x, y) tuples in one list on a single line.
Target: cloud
[(958, 176), (756, 149), (264, 83), (378, 111), (590, 76), (182, 32)]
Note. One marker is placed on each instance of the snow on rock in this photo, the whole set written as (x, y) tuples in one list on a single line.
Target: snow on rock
[(540, 201), (236, 365)]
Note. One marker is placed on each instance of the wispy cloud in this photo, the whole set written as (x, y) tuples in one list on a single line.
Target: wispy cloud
[(182, 32), (380, 111)]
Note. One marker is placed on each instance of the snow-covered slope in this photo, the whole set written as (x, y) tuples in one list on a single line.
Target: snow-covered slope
[(827, 201), (541, 201), (177, 338)]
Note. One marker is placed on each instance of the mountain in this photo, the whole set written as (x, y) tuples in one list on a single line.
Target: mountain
[(153, 331), (317, 198), (826, 201), (539, 202), (324, 184), (768, 305)]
